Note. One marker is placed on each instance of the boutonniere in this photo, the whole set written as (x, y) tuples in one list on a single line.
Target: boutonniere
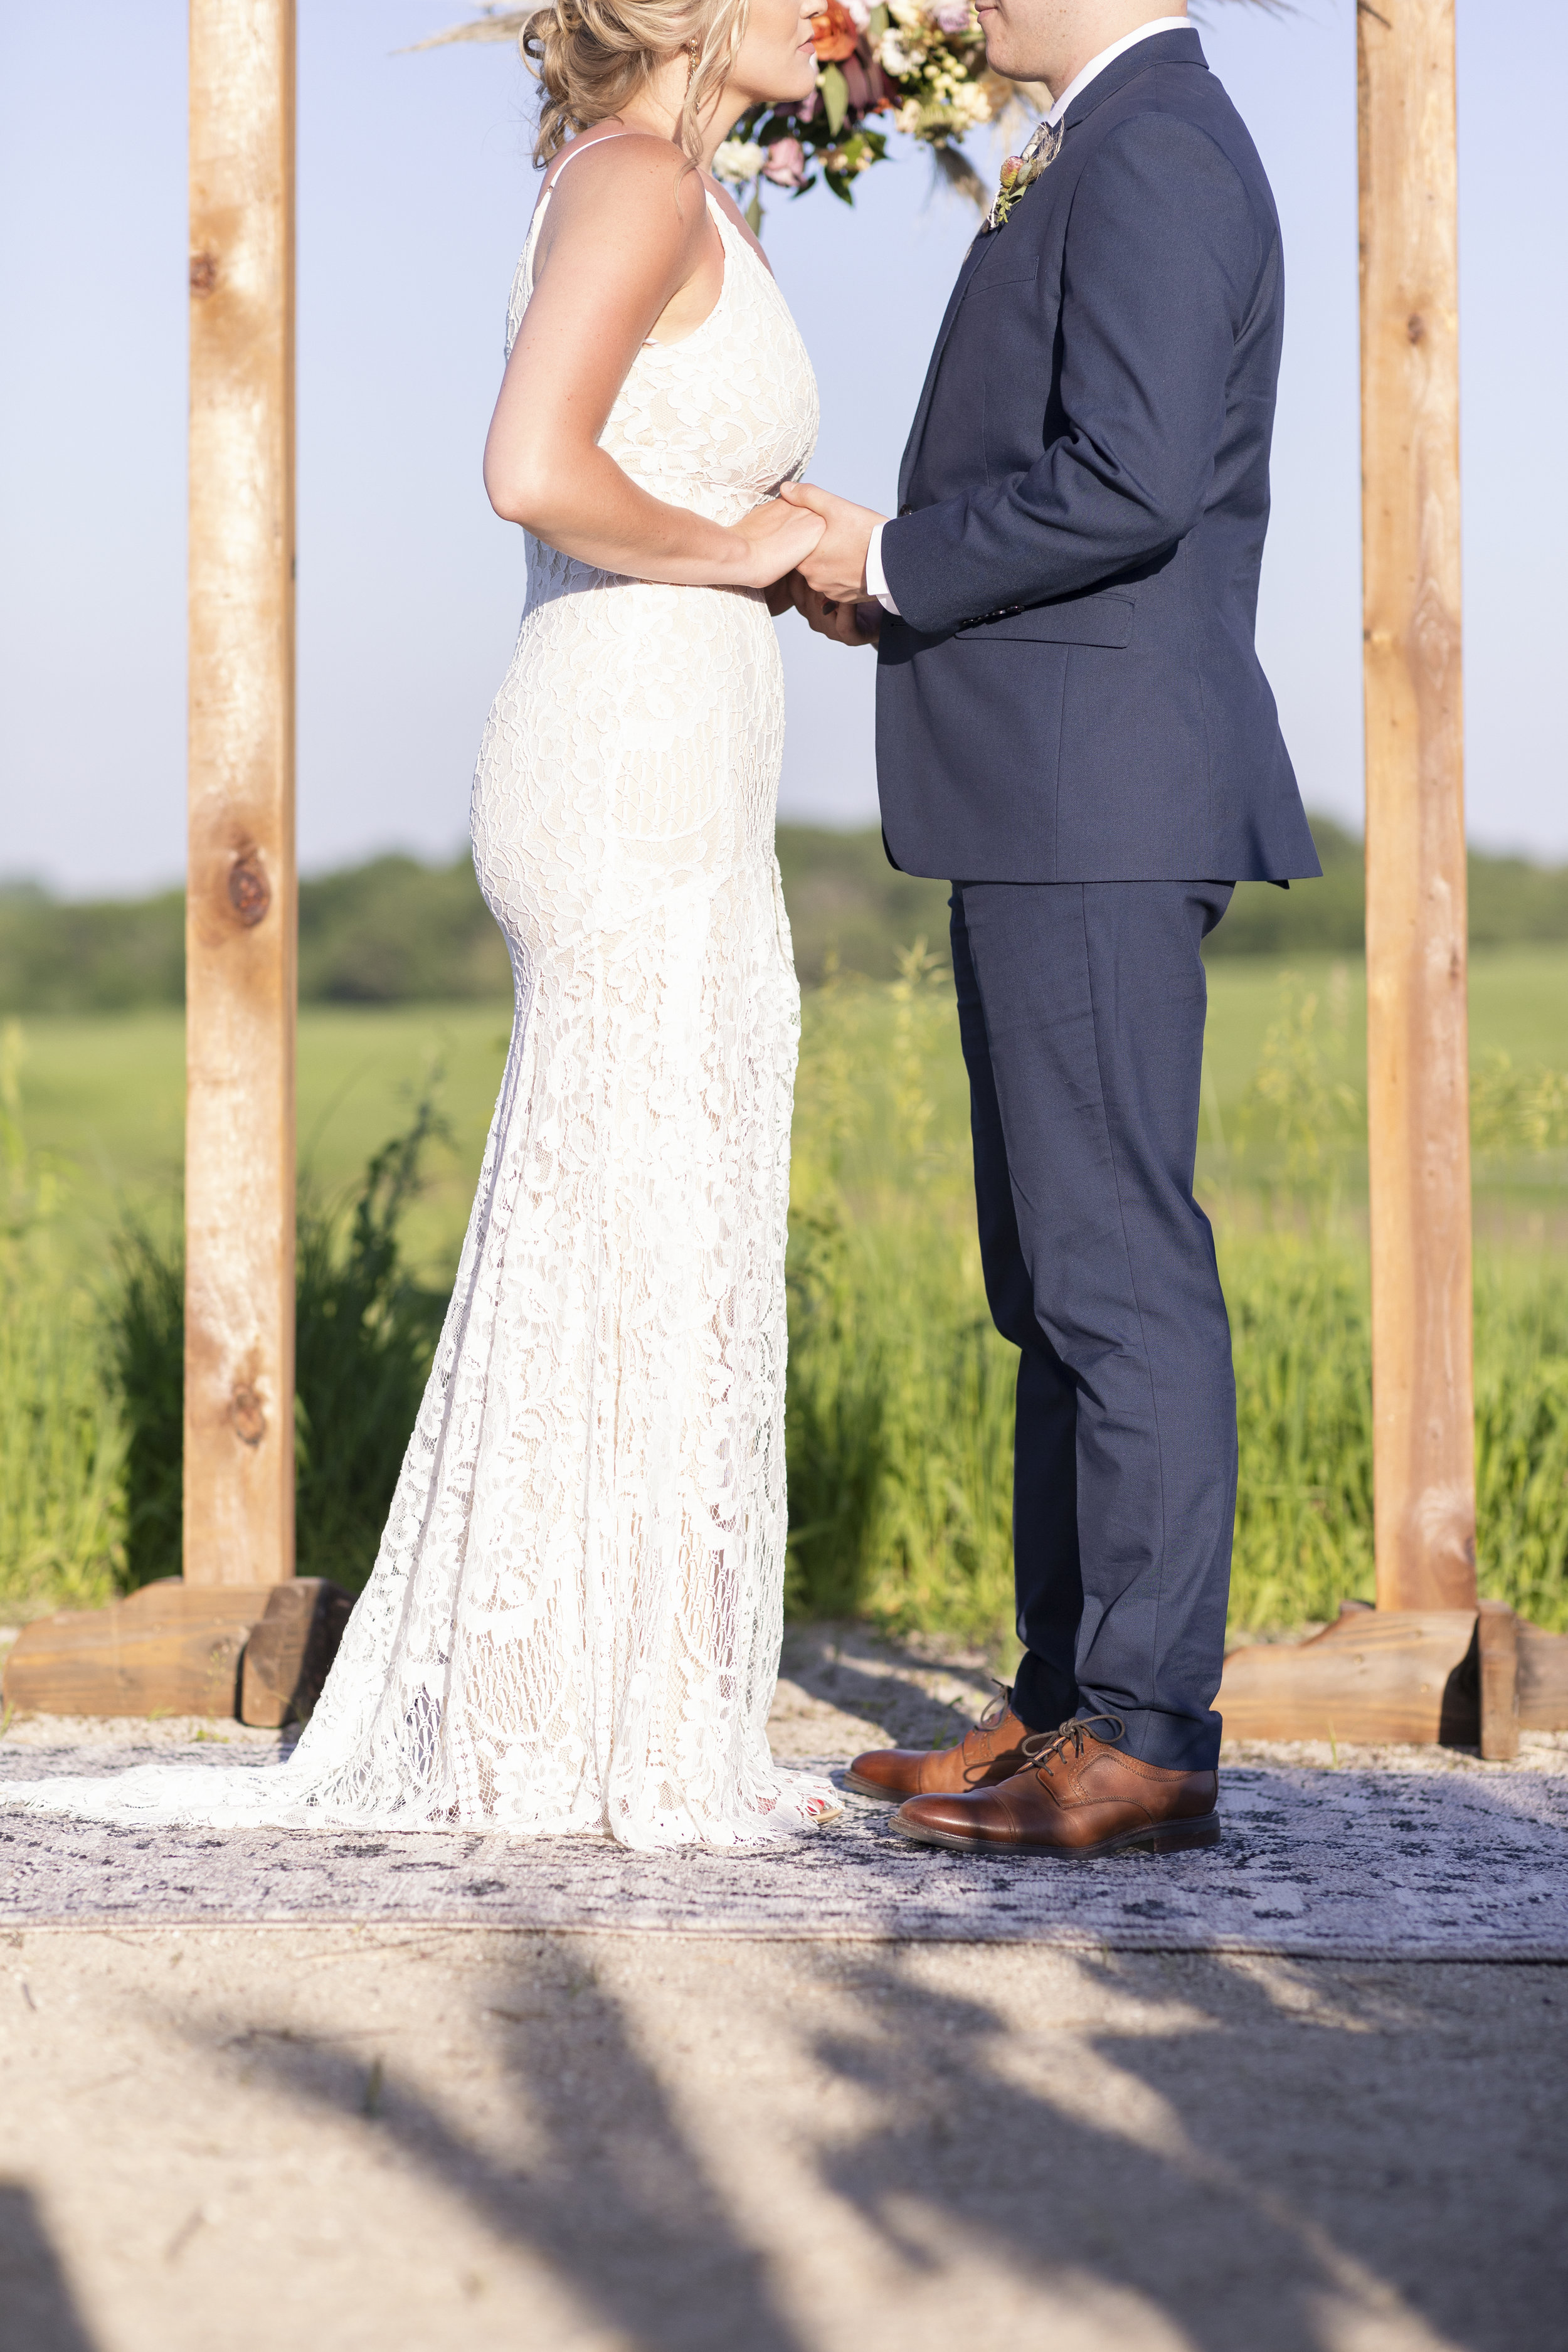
[(1020, 172)]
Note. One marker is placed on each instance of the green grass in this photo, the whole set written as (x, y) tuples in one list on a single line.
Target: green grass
[(900, 1392), (106, 1097), (105, 1093), (62, 1439), (900, 1395)]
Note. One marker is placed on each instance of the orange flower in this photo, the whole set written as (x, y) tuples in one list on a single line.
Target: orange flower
[(834, 34)]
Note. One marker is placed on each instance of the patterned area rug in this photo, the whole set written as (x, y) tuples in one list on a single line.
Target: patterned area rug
[(1402, 1855)]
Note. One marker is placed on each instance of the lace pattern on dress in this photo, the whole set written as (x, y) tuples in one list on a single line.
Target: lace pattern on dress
[(575, 1619)]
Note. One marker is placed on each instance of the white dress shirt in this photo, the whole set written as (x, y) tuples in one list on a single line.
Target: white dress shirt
[(876, 578)]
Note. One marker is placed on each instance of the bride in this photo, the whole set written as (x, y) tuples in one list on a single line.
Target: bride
[(574, 1622)]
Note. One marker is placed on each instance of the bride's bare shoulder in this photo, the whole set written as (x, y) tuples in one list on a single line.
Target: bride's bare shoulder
[(603, 171)]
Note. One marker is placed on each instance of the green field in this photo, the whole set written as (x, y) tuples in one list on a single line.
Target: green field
[(105, 1093), (899, 1392)]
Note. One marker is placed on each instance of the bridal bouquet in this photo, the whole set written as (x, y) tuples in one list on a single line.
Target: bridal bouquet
[(920, 64)]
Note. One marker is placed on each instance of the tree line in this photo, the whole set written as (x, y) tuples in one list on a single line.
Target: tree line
[(396, 930)]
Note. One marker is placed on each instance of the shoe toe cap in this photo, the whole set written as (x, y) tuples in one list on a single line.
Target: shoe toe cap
[(950, 1813), (896, 1769)]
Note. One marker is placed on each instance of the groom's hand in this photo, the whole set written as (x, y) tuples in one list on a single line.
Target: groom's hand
[(846, 623), (835, 567)]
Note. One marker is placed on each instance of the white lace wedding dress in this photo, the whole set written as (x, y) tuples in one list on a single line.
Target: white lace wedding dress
[(574, 1624)]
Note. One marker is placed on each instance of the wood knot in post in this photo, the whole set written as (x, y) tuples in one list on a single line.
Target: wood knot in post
[(1415, 327), (246, 1412), (203, 273), (249, 893)]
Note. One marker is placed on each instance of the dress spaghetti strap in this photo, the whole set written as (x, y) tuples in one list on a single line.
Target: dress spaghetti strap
[(560, 162)]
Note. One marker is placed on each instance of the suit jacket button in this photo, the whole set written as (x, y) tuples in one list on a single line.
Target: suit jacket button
[(906, 509)]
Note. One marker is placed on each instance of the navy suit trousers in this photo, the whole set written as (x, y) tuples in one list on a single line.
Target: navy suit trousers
[(1081, 1008)]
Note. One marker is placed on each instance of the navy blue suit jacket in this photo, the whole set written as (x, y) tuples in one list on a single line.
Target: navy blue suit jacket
[(1072, 693)]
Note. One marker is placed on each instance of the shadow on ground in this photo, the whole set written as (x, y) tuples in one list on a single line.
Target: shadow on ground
[(1149, 2150), (38, 2310), (917, 1694)]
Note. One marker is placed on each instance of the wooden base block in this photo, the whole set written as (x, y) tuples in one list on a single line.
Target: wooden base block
[(1543, 1679), (288, 1656), (170, 1649), (1376, 1675), (1431, 1677), (1497, 1659), (260, 1652)]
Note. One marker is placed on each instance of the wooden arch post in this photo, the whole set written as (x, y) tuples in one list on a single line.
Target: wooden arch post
[(1416, 943), (236, 1633), (1430, 1663), (240, 924)]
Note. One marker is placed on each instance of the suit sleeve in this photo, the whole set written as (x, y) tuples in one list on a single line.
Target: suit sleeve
[(1162, 258)]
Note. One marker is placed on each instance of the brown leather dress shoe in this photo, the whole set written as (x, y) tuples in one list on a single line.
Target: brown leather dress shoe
[(1074, 1798), (992, 1750)]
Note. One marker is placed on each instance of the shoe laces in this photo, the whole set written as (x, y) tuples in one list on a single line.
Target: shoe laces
[(997, 1709), (996, 1715), (1043, 1748)]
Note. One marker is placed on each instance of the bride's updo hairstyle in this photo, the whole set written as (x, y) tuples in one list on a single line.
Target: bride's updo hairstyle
[(592, 57)]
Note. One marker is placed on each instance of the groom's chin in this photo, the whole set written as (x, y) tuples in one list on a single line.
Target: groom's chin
[(1005, 57), (1001, 49)]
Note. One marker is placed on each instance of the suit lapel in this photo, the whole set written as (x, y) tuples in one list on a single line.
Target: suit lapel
[(1163, 48)]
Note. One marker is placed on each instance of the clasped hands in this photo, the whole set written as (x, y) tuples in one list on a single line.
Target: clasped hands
[(828, 588)]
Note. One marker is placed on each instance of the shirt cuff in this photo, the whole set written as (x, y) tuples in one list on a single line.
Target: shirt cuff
[(876, 578)]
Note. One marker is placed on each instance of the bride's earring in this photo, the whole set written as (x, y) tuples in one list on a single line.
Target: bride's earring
[(693, 53)]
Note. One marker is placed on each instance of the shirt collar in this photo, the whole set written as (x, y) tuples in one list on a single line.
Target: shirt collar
[(1108, 57)]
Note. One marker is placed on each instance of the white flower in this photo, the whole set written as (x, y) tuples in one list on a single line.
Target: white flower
[(895, 59), (739, 160), (861, 10)]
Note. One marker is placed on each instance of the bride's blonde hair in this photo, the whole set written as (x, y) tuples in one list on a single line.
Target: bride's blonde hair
[(592, 57)]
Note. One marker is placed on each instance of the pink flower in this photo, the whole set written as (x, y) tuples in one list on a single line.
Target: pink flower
[(953, 16), (785, 165)]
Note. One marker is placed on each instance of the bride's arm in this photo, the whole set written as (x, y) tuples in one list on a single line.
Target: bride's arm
[(623, 236)]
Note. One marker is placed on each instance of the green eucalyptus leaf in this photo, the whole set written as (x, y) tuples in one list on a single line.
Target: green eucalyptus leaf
[(835, 91), (754, 216)]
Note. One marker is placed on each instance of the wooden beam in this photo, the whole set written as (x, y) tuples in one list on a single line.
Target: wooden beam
[(167, 1650), (1373, 1677), (241, 902), (1457, 1677), (260, 1650), (1423, 1410)]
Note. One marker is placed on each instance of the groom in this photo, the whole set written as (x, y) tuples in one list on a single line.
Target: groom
[(1072, 726)]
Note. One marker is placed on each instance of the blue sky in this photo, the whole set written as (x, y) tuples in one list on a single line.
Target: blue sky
[(414, 190)]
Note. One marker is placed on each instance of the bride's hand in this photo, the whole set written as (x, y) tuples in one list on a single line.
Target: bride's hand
[(778, 538)]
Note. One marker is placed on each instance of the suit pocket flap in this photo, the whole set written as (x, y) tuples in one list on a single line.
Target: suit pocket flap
[(1083, 621)]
